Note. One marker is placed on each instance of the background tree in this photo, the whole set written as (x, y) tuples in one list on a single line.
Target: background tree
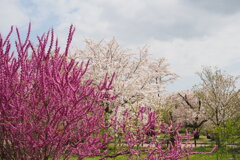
[(186, 109), (198, 117), (138, 78), (219, 95)]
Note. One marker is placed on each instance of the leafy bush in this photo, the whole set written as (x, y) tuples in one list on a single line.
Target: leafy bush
[(229, 132)]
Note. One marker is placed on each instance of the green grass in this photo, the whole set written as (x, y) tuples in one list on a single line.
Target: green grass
[(202, 139), (218, 155), (122, 157)]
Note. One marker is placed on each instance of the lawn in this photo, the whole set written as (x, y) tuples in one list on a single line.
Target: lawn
[(219, 155)]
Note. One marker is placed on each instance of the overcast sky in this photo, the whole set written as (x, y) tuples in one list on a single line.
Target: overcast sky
[(188, 33)]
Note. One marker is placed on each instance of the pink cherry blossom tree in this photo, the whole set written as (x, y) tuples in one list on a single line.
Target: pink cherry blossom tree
[(186, 108)]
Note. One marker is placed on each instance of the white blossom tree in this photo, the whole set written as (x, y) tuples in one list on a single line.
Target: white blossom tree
[(186, 108), (139, 80), (219, 95)]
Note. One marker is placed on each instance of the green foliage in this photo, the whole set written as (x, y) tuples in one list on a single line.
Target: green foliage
[(228, 133)]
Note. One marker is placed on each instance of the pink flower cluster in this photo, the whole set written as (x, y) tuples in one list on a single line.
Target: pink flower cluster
[(46, 108), (152, 139)]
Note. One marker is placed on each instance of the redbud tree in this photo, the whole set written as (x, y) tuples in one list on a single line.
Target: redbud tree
[(46, 109)]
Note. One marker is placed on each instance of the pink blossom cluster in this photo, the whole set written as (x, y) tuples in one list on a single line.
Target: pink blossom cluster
[(46, 108), (152, 139)]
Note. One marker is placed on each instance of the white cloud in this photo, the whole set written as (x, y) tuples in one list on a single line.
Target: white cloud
[(220, 48), (84, 15), (188, 34), (11, 14), (125, 8)]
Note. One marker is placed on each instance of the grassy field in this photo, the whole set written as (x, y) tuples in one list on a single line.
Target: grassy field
[(219, 155)]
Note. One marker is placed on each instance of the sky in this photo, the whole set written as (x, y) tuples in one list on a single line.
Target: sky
[(190, 34)]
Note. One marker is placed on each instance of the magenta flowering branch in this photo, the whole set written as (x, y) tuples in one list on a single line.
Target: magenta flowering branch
[(47, 108), (145, 137)]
